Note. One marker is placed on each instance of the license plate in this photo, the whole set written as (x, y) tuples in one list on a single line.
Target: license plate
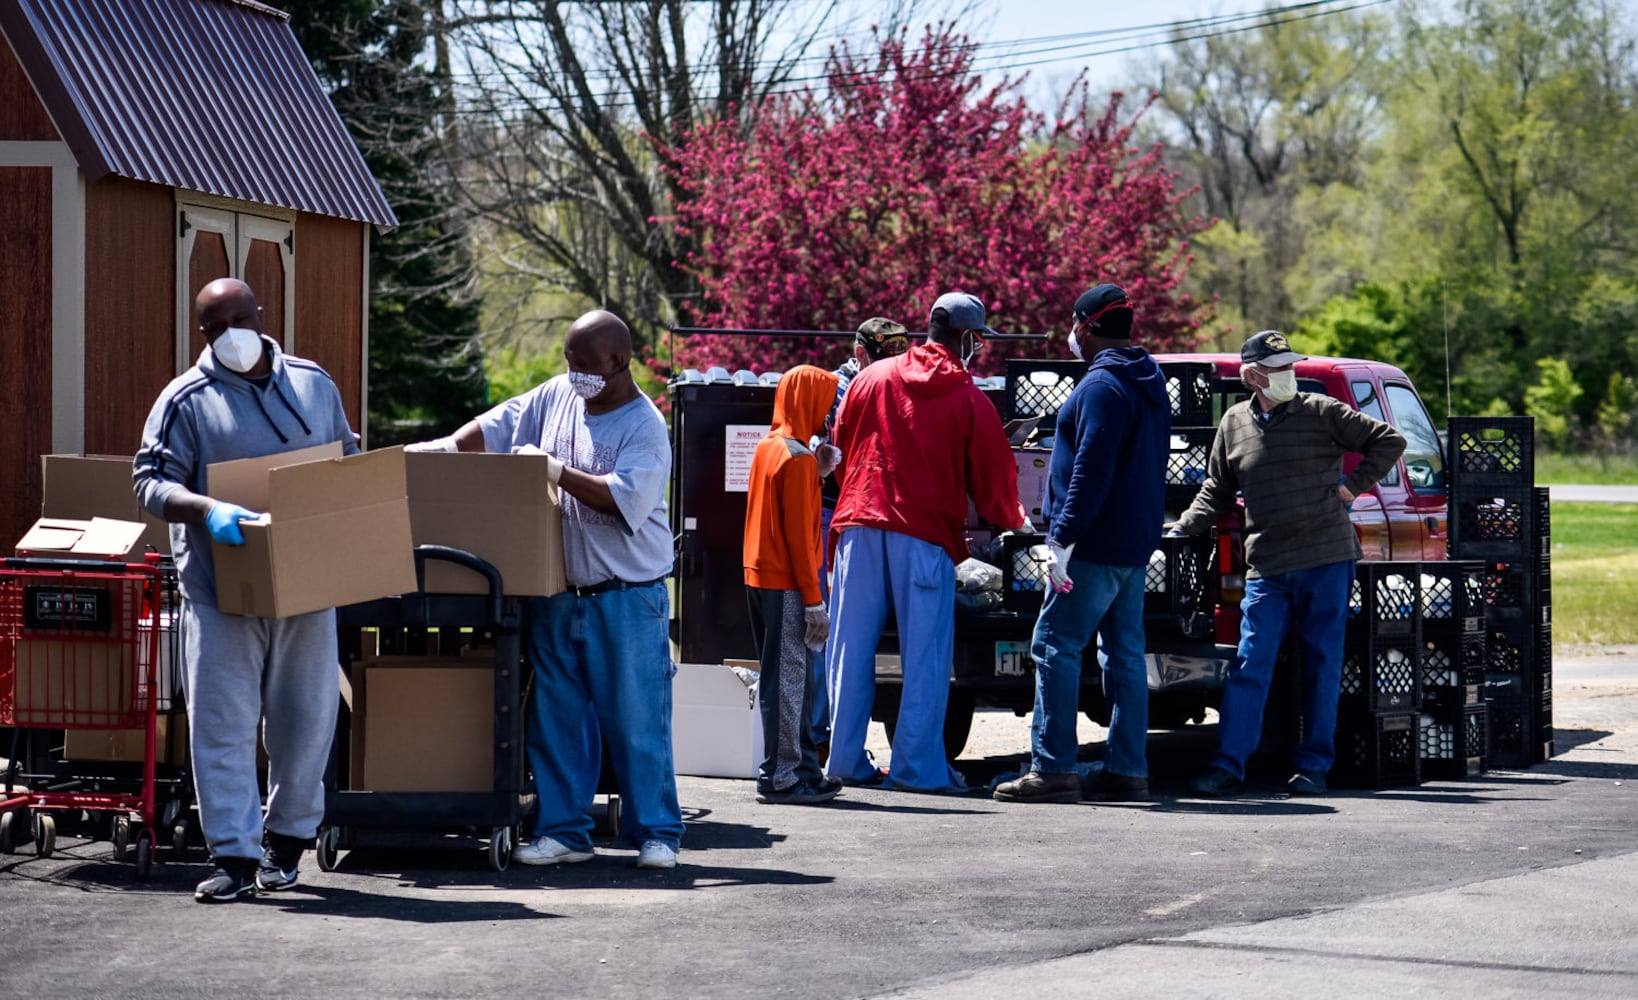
[(1012, 659)]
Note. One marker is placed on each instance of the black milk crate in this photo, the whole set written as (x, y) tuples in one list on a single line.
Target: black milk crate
[(1186, 464), (1510, 591), (1188, 383), (1181, 581), (1491, 451), (1510, 648), (1544, 521), (1385, 598), (1541, 672), (1381, 674), (1377, 751), (1451, 659), (1446, 702), (1023, 576), (1496, 523), (1512, 723), (1452, 594), (1455, 746), (1037, 388)]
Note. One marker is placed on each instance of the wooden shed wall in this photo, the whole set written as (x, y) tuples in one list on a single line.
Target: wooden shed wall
[(22, 117), (130, 308), (330, 303), (25, 319)]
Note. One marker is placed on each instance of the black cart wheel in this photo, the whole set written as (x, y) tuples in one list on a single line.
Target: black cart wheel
[(179, 838), (329, 841), (8, 832), (611, 817), (144, 855), (500, 848), (122, 837), (45, 834)]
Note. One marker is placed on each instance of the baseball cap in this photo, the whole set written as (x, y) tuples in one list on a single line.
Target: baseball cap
[(1269, 349), (882, 338), (966, 312), (1108, 310)]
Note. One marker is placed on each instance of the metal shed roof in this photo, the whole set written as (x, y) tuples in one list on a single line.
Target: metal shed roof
[(212, 95)]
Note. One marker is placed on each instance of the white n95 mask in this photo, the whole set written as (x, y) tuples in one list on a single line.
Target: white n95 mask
[(239, 348), (1282, 386)]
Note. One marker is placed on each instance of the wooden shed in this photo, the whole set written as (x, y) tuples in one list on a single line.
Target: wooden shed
[(148, 147)]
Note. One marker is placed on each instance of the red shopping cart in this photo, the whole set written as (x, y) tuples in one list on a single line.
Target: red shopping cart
[(80, 648)]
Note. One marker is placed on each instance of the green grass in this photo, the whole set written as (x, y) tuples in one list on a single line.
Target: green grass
[(1595, 573), (1586, 470)]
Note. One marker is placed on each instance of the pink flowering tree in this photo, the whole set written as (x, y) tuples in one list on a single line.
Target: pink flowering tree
[(905, 178)]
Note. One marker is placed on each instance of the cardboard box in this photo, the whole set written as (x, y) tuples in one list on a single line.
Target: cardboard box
[(716, 728), (335, 531), (87, 486), (170, 740), (1034, 474), (500, 508), (97, 538), (424, 724), (62, 681)]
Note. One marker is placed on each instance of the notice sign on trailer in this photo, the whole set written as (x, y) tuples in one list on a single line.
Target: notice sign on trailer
[(741, 447)]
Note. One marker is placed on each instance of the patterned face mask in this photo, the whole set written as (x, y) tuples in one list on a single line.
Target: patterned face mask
[(586, 385)]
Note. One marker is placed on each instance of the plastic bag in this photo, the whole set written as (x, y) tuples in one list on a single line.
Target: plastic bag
[(974, 576)]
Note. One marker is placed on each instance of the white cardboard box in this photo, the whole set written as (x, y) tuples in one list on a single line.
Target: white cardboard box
[(716, 728)]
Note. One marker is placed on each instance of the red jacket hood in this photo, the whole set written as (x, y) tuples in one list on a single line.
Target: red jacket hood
[(931, 370)]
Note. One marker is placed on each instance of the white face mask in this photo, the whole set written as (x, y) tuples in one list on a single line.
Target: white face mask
[(586, 385), (1075, 346), (1282, 386), (971, 349), (239, 348)]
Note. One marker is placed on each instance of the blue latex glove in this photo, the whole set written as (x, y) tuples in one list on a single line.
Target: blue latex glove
[(223, 521)]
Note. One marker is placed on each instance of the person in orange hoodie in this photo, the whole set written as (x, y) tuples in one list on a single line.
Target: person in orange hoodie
[(782, 562)]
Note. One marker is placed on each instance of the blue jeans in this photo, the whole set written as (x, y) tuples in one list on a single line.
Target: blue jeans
[(1315, 603), (609, 651), (878, 571), (1106, 601), (819, 719)]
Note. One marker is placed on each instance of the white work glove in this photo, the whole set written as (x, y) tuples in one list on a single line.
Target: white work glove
[(818, 622), (1056, 558), (829, 457), (554, 467), (1028, 527), (435, 445), (1174, 530)]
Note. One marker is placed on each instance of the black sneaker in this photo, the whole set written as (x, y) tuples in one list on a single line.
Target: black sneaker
[(281, 856), (1103, 785), (877, 779), (1217, 783), (1306, 783), (234, 878), (800, 794)]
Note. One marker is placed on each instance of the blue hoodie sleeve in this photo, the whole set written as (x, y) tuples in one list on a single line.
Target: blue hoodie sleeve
[(1101, 414)]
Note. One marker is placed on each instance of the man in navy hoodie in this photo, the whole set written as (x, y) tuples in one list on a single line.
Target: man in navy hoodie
[(1105, 506)]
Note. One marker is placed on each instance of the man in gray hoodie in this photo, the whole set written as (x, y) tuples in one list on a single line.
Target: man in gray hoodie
[(244, 398)]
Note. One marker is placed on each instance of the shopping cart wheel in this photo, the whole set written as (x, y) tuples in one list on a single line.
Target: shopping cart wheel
[(45, 834), (122, 837), (8, 832), (500, 848), (611, 817), (179, 838), (329, 842), (144, 855)]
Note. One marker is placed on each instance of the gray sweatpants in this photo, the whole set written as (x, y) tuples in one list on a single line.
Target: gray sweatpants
[(240, 669)]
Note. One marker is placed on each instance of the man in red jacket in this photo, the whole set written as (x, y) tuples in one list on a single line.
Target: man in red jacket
[(916, 435)]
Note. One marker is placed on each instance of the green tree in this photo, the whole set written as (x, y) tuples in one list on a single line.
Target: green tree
[(1618, 413), (426, 371), (1552, 402)]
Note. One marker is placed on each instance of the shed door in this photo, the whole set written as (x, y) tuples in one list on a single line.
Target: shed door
[(217, 243)]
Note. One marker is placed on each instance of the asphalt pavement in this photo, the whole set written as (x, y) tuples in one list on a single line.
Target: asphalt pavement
[(1507, 884)]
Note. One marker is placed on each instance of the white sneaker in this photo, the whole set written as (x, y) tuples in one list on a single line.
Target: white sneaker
[(657, 854), (543, 850)]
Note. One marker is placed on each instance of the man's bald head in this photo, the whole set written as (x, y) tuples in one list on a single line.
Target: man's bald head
[(599, 332), (226, 302)]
